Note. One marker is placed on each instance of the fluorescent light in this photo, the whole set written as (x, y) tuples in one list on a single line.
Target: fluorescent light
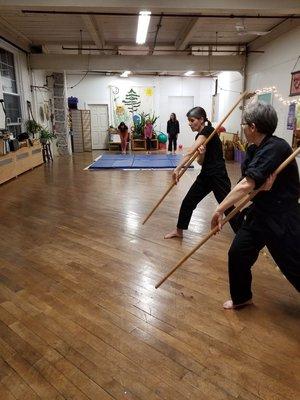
[(125, 74), (188, 73), (143, 24)]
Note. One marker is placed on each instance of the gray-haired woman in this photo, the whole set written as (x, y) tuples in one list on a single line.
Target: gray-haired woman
[(273, 220)]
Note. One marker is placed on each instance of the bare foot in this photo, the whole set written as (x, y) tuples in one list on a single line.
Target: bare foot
[(173, 234), (228, 305)]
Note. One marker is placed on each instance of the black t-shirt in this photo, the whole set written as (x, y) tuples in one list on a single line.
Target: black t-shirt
[(213, 158), (260, 162)]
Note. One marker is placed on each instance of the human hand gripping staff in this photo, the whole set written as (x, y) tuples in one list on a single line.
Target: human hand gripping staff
[(176, 173), (191, 156)]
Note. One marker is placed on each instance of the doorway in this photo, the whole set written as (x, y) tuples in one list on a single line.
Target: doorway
[(180, 105), (99, 126)]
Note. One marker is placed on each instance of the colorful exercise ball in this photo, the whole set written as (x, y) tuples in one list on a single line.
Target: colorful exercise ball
[(221, 129), (162, 138)]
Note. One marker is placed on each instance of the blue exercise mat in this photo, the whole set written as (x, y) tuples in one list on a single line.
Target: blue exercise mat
[(143, 161)]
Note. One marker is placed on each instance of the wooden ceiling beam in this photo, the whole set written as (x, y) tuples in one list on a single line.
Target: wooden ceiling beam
[(279, 30), (187, 34), (140, 63), (91, 25)]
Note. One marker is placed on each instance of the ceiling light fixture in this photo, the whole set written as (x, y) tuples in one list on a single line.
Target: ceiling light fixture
[(143, 25), (189, 73), (125, 74)]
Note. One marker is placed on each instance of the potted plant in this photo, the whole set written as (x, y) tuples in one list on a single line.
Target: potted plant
[(32, 127), (139, 126), (46, 136)]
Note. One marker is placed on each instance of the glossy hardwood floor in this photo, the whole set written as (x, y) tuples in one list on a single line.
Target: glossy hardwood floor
[(79, 315)]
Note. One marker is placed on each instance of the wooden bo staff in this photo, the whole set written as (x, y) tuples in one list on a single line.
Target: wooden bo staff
[(240, 205), (195, 155)]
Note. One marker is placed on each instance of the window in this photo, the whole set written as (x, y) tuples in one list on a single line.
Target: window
[(10, 92)]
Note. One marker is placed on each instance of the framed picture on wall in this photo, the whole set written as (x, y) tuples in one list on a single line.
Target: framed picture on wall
[(265, 98), (295, 84)]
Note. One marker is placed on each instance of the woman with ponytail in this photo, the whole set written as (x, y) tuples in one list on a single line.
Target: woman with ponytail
[(213, 176)]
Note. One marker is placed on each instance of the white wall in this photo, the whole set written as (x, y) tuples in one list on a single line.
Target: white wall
[(230, 87), (40, 99), (95, 89), (273, 68)]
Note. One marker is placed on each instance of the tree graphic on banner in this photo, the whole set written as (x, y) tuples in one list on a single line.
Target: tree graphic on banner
[(132, 101)]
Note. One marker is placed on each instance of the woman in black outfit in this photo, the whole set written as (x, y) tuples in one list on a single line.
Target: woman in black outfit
[(213, 176), (172, 130), (273, 219)]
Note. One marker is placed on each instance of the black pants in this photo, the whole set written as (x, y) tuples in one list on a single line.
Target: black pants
[(219, 184), (280, 233), (148, 144), (172, 142)]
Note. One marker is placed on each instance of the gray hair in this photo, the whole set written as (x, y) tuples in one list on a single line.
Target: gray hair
[(263, 116)]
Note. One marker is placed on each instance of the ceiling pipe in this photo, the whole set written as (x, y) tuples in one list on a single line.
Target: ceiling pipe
[(161, 50), (152, 47), (169, 15)]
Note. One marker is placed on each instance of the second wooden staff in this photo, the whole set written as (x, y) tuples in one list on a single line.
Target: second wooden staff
[(241, 204)]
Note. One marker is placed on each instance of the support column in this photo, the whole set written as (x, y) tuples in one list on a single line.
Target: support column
[(60, 114)]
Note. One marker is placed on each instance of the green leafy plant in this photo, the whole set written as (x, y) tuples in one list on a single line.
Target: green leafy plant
[(32, 127), (153, 119), (139, 127), (46, 135)]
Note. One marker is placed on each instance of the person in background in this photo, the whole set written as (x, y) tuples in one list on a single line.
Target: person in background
[(213, 176), (273, 219), (123, 132), (172, 130), (148, 132)]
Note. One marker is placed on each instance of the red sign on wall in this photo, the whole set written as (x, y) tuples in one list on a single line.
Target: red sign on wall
[(295, 84)]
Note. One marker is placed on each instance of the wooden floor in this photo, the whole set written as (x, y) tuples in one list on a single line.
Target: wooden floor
[(79, 315)]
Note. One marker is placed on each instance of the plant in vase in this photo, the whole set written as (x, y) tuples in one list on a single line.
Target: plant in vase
[(32, 127), (46, 136), (139, 124)]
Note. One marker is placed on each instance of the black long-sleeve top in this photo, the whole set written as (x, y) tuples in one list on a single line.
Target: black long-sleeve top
[(260, 162), (173, 127)]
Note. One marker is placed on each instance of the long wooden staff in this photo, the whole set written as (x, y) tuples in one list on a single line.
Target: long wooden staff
[(241, 204), (194, 156)]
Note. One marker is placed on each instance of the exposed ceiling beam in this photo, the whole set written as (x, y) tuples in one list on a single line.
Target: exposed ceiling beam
[(286, 7), (186, 35), (92, 27), (136, 63), (7, 30), (279, 30)]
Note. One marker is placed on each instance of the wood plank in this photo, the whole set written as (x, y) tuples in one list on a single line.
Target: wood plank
[(79, 315)]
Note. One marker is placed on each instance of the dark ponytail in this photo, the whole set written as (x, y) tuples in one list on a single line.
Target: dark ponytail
[(198, 112), (208, 122)]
